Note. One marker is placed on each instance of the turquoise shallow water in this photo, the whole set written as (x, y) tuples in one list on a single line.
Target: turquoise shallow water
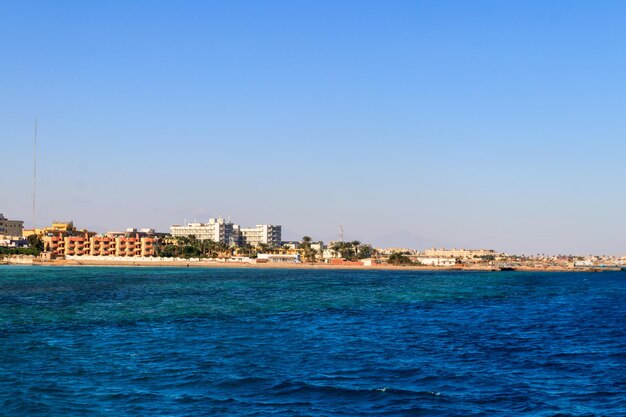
[(196, 342)]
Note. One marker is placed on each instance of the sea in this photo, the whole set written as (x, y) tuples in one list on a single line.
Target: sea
[(116, 341)]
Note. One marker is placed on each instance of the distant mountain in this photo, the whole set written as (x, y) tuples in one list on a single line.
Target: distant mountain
[(398, 239), (405, 239), (293, 235)]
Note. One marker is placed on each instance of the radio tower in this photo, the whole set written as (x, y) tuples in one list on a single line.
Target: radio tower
[(35, 174), (341, 232)]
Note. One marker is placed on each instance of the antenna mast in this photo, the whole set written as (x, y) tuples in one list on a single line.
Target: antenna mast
[(35, 175), (341, 232)]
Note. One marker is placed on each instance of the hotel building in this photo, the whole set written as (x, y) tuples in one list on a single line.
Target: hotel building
[(64, 228), (220, 230), (10, 228), (458, 253), (217, 230), (268, 234), (82, 245), (63, 239)]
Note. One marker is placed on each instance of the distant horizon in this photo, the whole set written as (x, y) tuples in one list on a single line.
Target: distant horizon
[(472, 124), (290, 235)]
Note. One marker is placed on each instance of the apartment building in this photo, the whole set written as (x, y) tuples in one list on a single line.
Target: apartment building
[(216, 229), (10, 228), (224, 231), (134, 246), (103, 246), (126, 246), (458, 253), (56, 228), (268, 234)]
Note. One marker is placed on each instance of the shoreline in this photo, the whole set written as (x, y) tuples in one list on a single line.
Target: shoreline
[(309, 266)]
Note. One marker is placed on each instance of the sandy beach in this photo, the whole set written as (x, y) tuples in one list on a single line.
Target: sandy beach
[(283, 265)]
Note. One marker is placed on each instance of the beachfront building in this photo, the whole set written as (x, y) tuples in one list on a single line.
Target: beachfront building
[(131, 232), (390, 251), (216, 229), (86, 245), (60, 244), (10, 228), (429, 261), (329, 253), (268, 234), (13, 242), (224, 231), (63, 239), (290, 244), (103, 246), (458, 253), (56, 228), (277, 258), (134, 246)]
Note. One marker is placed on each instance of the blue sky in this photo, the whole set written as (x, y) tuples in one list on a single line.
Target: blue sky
[(467, 123)]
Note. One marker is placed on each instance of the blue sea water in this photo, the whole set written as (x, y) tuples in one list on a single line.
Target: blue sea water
[(253, 342)]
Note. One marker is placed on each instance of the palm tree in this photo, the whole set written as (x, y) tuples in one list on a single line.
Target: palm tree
[(355, 245), (339, 247), (309, 253)]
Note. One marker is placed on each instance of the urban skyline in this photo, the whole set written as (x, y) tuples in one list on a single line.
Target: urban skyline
[(226, 232), (451, 124)]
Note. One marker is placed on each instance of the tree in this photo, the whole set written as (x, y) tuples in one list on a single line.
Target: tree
[(167, 251), (263, 248), (308, 252), (337, 246), (366, 251), (398, 258), (344, 249), (35, 242), (246, 250), (310, 255)]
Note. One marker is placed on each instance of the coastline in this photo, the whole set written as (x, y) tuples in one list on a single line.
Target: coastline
[(284, 265)]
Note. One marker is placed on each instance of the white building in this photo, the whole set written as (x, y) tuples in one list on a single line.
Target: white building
[(268, 234), (296, 244), (458, 253), (224, 231), (13, 228), (217, 230), (436, 261), (273, 258)]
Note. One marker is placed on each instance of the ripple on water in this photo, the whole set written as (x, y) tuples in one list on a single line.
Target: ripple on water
[(179, 342)]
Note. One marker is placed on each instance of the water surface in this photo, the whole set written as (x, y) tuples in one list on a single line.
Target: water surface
[(249, 342)]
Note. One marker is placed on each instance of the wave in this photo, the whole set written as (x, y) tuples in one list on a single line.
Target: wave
[(304, 388)]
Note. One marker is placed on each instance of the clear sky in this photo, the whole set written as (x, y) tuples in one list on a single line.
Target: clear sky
[(467, 123)]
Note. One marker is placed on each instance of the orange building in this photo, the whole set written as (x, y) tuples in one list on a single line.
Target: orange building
[(60, 246), (134, 246), (102, 246), (55, 244)]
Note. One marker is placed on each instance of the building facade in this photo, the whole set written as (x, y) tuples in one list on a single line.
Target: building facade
[(11, 228), (277, 258), (216, 229), (57, 227), (224, 231), (82, 245), (458, 253), (268, 234), (447, 261)]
